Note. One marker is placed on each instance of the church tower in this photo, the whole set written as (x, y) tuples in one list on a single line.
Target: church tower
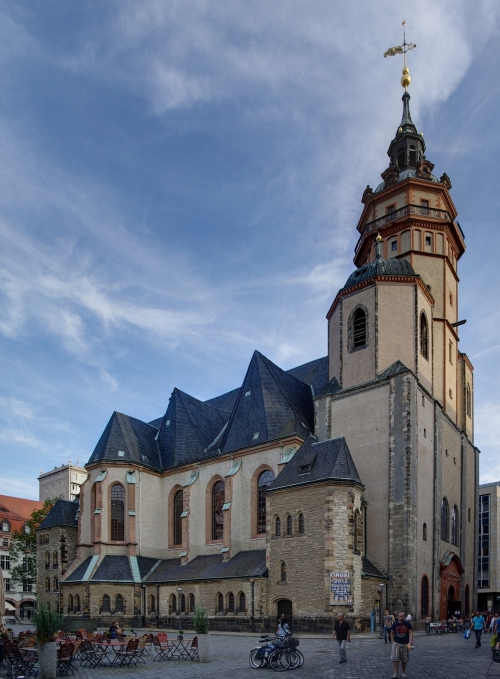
[(401, 391)]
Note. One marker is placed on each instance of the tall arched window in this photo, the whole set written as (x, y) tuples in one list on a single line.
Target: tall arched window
[(445, 520), (412, 156), (119, 604), (70, 603), (6, 526), (467, 601), (424, 597), (151, 604), (401, 158), (217, 514), (358, 329), (77, 603), (265, 480), (424, 336), (469, 401), (47, 559), (454, 525), (424, 531), (283, 571), (220, 603), (192, 603), (230, 602), (55, 560), (178, 509), (106, 603), (117, 513), (182, 603), (242, 603), (173, 604), (277, 528), (301, 524), (289, 525)]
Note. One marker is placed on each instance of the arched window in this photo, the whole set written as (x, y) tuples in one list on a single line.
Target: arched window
[(283, 571), (70, 603), (289, 525), (5, 526), (467, 601), (401, 158), (277, 528), (192, 603), (47, 559), (151, 604), (424, 336), (178, 509), (173, 604), (55, 560), (454, 525), (358, 329), (217, 514), (301, 524), (469, 401), (230, 602), (424, 597), (106, 603), (182, 602), (119, 604), (77, 603), (424, 531), (444, 520), (412, 156), (220, 603), (117, 513), (242, 603), (265, 480)]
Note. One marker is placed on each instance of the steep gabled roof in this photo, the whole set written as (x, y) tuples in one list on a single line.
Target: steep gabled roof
[(135, 439), (189, 426), (317, 461), (271, 404), (63, 513), (314, 373), (333, 387), (212, 567), (395, 369)]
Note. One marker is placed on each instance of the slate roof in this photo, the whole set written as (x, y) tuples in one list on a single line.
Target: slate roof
[(145, 565), (369, 568), (250, 564), (317, 461), (314, 373), (113, 568), (225, 401), (79, 572), (381, 267), (134, 438), (332, 387), (395, 369), (63, 513)]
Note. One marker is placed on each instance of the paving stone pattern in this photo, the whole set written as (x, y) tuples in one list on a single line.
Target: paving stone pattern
[(447, 657)]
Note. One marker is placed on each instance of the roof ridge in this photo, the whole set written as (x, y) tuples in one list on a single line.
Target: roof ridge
[(193, 425), (282, 390), (131, 417), (122, 429)]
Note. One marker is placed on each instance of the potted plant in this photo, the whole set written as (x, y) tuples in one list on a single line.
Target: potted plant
[(47, 625), (180, 636), (200, 626)]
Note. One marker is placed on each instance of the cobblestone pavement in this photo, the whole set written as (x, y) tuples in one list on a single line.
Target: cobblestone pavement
[(447, 657)]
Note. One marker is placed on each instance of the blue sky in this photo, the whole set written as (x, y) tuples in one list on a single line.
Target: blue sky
[(180, 184)]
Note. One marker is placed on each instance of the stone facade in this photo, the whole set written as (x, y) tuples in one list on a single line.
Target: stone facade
[(56, 550)]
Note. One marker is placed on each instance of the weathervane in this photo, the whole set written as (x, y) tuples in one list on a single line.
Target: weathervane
[(402, 49)]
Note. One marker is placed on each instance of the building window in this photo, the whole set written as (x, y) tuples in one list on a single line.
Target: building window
[(6, 584), (117, 513), (301, 524), (242, 603), (468, 514), (56, 584), (357, 531), (283, 571), (444, 520), (450, 352), (467, 601), (391, 208), (230, 602), (358, 330), (77, 603), (289, 525), (5, 562), (454, 525), (192, 603), (5, 526), (182, 603), (5, 542), (173, 604), (394, 245), (265, 480), (483, 567), (425, 433), (28, 586), (424, 597), (277, 530), (119, 604), (217, 515), (451, 299), (106, 604), (423, 401), (469, 401), (151, 604), (220, 603), (412, 156), (55, 560), (178, 509), (47, 584), (428, 240), (424, 531), (425, 211), (47, 559), (424, 336), (70, 603)]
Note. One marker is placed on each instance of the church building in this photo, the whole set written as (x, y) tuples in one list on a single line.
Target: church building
[(348, 484)]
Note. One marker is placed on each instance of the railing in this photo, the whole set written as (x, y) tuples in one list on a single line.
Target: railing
[(392, 216)]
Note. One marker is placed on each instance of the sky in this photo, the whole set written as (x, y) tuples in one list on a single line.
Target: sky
[(180, 184)]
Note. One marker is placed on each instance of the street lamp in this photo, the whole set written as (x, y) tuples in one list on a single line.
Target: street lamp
[(179, 595)]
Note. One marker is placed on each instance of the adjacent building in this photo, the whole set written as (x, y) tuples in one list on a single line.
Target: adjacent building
[(488, 555), (64, 482)]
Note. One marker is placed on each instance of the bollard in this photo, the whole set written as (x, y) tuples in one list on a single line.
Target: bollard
[(372, 622)]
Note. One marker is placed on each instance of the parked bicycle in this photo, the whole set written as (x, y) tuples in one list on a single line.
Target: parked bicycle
[(279, 653)]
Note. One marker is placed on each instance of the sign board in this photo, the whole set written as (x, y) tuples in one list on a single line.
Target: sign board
[(340, 588)]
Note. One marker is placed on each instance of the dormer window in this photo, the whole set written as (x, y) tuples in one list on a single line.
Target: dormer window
[(394, 245), (304, 468)]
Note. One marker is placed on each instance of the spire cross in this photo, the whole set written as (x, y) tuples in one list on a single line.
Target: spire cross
[(402, 49)]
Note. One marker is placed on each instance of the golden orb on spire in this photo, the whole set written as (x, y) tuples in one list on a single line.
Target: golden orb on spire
[(378, 238), (405, 79)]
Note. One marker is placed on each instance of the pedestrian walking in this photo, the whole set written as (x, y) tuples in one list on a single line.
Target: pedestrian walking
[(342, 631), (478, 624), (402, 640), (387, 622), (494, 624)]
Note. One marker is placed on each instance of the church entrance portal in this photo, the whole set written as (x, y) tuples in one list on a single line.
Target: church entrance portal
[(285, 608), (451, 575)]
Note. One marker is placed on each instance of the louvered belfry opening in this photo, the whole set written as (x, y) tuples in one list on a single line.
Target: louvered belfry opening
[(359, 329)]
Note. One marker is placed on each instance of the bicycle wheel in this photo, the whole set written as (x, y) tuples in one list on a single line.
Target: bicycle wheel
[(279, 661), (253, 660), (301, 656), (294, 659)]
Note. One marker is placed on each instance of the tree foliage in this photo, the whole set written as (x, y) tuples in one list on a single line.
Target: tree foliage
[(23, 546)]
